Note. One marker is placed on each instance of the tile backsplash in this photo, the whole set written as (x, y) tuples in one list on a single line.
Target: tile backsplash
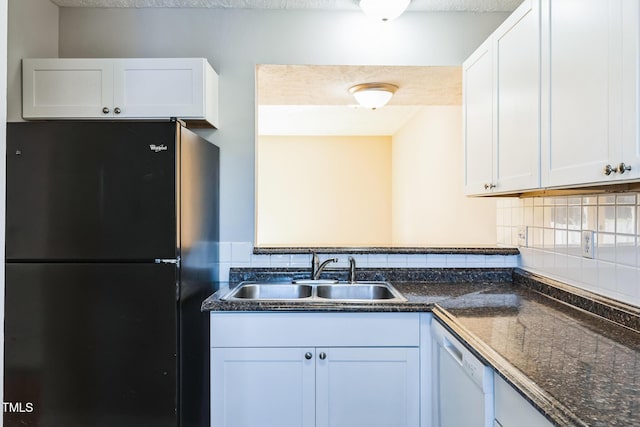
[(240, 254), (589, 241)]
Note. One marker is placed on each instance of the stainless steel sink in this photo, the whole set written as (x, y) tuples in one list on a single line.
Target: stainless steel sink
[(315, 292), (268, 291), (366, 292)]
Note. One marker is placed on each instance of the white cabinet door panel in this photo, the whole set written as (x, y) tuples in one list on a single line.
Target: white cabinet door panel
[(258, 387), (478, 109), (154, 87), (579, 86), (368, 387), (512, 410), (631, 87), (67, 88), (517, 48)]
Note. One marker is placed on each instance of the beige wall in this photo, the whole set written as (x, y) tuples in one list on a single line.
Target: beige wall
[(323, 191), (429, 208)]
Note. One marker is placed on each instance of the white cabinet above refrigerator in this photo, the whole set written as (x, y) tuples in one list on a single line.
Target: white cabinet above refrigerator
[(130, 88)]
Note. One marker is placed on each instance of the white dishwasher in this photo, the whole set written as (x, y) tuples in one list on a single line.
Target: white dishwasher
[(463, 385)]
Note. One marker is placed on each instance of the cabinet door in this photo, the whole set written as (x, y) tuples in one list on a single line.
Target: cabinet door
[(517, 56), (512, 410), (631, 87), (373, 387), (162, 88), (582, 47), (478, 110), (257, 387), (67, 88)]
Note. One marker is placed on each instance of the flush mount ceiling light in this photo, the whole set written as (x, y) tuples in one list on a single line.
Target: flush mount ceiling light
[(373, 95), (383, 10)]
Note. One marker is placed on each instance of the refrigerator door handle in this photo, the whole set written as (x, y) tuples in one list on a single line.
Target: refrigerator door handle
[(175, 261)]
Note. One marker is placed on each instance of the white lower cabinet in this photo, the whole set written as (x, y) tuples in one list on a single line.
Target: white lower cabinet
[(368, 387), (372, 383), (512, 410), (262, 387)]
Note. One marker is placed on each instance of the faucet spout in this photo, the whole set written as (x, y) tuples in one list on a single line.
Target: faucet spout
[(352, 270), (317, 267)]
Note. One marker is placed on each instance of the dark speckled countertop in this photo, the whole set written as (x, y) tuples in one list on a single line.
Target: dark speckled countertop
[(420, 296), (577, 368)]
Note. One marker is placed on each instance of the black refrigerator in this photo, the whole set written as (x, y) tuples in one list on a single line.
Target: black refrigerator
[(111, 233)]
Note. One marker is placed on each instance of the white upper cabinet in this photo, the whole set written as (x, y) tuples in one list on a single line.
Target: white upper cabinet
[(561, 105), (149, 88), (502, 107), (60, 88), (517, 56), (590, 91), (478, 118)]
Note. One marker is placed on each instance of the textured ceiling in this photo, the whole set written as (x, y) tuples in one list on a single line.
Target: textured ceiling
[(329, 84), (315, 99), (416, 5)]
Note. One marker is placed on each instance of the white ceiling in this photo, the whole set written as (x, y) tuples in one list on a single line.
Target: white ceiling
[(416, 5)]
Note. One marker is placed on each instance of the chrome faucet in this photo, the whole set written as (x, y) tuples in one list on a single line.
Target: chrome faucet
[(352, 270), (316, 267)]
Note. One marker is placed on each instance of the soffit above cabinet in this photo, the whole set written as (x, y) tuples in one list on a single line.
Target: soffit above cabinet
[(416, 5)]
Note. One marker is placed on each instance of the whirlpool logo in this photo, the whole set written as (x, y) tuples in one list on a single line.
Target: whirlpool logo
[(17, 407), (157, 148)]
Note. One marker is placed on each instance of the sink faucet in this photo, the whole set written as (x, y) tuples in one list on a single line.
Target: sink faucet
[(352, 270), (316, 267)]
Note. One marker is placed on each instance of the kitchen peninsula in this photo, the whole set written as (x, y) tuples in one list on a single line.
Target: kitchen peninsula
[(574, 366)]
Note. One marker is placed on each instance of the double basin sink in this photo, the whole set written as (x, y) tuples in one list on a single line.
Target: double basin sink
[(315, 291)]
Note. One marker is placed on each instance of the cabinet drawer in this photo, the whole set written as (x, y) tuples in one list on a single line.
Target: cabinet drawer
[(249, 329)]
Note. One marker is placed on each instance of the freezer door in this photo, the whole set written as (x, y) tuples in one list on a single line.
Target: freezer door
[(90, 345), (91, 190)]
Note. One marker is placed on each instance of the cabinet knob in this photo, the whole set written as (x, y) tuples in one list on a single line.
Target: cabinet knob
[(608, 170), (308, 355), (489, 186), (323, 356), (106, 110), (117, 110), (622, 168)]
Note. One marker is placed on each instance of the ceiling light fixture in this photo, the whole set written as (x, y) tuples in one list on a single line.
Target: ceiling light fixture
[(384, 10), (373, 95)]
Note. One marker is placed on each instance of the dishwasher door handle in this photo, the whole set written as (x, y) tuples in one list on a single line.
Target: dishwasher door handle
[(453, 350)]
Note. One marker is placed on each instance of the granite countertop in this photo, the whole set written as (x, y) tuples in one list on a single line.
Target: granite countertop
[(577, 368), (420, 297), (421, 287)]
